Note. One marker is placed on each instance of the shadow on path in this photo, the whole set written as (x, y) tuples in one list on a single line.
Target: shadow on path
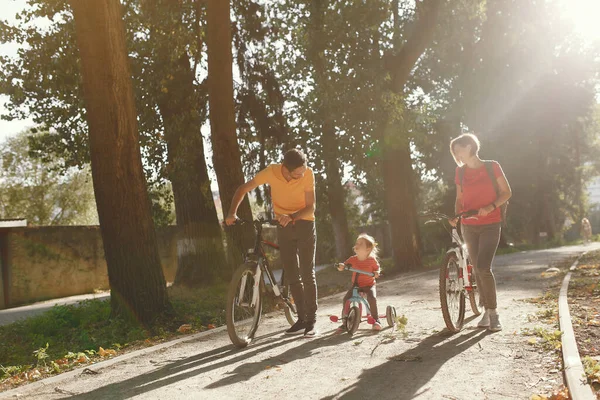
[(185, 368), (403, 375)]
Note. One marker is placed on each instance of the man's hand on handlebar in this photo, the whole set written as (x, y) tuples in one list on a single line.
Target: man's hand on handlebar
[(340, 267), (231, 219), (453, 221)]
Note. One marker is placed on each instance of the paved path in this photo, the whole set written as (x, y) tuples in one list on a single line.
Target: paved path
[(11, 315), (427, 364)]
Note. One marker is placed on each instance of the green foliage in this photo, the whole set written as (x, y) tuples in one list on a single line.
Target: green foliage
[(41, 191)]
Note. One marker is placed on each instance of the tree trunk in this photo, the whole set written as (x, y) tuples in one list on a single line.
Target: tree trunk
[(400, 196), (200, 252), (134, 271), (226, 152), (398, 174), (336, 195)]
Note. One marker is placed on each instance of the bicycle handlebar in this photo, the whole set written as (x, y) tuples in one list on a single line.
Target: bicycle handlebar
[(262, 221), (348, 267), (438, 216)]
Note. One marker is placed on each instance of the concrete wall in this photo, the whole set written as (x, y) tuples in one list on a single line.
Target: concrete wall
[(50, 262)]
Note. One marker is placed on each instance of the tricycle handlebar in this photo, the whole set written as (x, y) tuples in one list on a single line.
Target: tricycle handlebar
[(348, 267)]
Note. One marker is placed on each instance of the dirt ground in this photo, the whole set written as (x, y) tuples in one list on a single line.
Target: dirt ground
[(423, 361)]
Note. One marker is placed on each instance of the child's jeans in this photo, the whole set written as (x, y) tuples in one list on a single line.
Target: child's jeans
[(371, 299)]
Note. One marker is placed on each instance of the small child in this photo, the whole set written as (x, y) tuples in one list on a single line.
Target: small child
[(364, 260)]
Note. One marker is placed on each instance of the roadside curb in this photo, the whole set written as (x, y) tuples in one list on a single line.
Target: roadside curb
[(573, 368)]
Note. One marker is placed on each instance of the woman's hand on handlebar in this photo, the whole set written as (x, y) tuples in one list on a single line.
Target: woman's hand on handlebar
[(485, 210), (340, 266)]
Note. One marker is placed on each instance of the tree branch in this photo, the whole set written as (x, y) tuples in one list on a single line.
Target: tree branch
[(403, 61)]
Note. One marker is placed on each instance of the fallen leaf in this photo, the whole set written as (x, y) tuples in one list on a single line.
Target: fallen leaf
[(211, 326), (184, 328), (83, 359), (104, 353)]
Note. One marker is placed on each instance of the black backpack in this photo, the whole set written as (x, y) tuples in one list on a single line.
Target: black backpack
[(490, 170)]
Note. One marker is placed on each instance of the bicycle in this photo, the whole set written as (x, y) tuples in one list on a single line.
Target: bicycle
[(454, 288), (247, 288), (353, 308)]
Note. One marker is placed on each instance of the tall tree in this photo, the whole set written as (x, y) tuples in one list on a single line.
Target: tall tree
[(336, 196), (226, 151), (165, 46), (181, 104), (138, 287), (397, 165)]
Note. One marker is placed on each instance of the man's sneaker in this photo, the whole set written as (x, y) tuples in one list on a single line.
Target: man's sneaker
[(310, 330), (485, 320), (495, 325), (297, 328), (377, 326)]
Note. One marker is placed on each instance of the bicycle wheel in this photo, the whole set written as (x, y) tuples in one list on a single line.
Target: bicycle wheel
[(474, 295), (390, 314), (242, 314), (291, 314), (353, 320), (452, 297)]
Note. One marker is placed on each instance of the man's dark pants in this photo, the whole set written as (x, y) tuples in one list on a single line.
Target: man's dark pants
[(297, 243)]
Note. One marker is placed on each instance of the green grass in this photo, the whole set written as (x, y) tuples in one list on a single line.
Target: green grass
[(85, 327)]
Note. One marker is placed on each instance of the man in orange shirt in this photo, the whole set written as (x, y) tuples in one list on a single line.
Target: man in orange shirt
[(293, 194)]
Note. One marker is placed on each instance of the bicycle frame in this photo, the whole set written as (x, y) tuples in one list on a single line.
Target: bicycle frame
[(257, 254), (462, 255), (460, 251)]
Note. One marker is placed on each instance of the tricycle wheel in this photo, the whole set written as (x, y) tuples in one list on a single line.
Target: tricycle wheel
[(390, 313), (353, 320)]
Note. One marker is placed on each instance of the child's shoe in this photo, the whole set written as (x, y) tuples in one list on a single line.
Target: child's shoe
[(377, 326), (341, 329)]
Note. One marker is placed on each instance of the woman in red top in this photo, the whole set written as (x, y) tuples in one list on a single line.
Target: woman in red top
[(364, 260), (475, 190)]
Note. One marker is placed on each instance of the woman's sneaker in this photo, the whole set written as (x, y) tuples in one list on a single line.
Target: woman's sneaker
[(377, 326), (297, 328), (485, 320), (495, 325)]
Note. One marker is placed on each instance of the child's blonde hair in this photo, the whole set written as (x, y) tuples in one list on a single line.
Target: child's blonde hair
[(371, 243)]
